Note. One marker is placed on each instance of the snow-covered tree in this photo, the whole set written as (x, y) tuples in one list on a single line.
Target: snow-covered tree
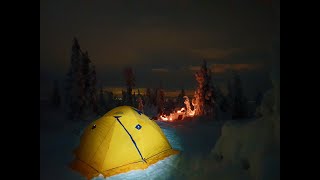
[(154, 99), (140, 103), (85, 70), (234, 147), (93, 90), (89, 82), (180, 98), (150, 109), (134, 100), (140, 95), (225, 104), (229, 97), (110, 100), (220, 100), (130, 83), (154, 93), (160, 100), (80, 95), (56, 98), (102, 102), (124, 97), (203, 100), (148, 97), (240, 102), (74, 86), (170, 106)]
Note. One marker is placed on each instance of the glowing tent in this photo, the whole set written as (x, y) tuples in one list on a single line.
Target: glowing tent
[(123, 139)]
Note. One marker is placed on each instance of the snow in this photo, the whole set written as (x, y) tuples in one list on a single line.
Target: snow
[(58, 137), (57, 140), (253, 145), (242, 144), (248, 144), (161, 169)]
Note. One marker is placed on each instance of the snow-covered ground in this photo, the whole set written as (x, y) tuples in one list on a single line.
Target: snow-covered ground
[(200, 156), (59, 137), (253, 146)]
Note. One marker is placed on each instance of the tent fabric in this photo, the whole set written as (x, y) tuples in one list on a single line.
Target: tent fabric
[(123, 139)]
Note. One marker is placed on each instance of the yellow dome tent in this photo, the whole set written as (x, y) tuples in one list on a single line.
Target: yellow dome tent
[(123, 139)]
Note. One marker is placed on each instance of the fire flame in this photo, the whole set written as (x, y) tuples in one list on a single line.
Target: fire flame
[(180, 114)]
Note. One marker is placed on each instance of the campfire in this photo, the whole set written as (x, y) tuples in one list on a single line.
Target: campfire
[(182, 113), (203, 100)]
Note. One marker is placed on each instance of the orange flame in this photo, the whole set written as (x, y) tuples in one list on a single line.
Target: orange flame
[(180, 114)]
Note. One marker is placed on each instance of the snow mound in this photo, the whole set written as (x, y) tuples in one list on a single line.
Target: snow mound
[(254, 145)]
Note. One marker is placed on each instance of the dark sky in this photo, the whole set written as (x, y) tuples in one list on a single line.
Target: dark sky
[(162, 40)]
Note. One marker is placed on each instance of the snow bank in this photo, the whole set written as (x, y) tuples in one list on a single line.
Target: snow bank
[(58, 138), (253, 146)]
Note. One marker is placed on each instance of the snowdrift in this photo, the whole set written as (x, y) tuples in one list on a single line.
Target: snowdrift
[(253, 146)]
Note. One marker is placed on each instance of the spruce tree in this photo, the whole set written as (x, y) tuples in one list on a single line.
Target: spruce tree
[(180, 98), (85, 77), (102, 102), (140, 101), (130, 83), (160, 100), (148, 97), (240, 104), (80, 87), (93, 90), (203, 101), (74, 93)]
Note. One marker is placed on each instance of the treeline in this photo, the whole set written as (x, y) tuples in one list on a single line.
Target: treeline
[(82, 99)]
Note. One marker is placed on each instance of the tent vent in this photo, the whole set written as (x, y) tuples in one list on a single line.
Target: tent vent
[(138, 126)]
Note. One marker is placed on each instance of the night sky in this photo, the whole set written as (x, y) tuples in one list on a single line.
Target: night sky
[(164, 41)]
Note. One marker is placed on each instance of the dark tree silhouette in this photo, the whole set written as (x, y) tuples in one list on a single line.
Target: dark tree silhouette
[(74, 87), (140, 101), (89, 84), (134, 100), (180, 99), (159, 95), (80, 87), (102, 102), (130, 83), (93, 90), (124, 97), (148, 97), (139, 95), (170, 106), (240, 104)]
